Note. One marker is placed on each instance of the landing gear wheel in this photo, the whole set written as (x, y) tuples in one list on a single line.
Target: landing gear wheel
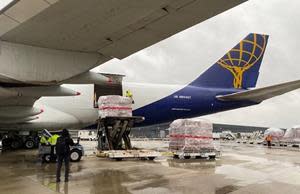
[(29, 144), (75, 155), (46, 158), (187, 157), (151, 158)]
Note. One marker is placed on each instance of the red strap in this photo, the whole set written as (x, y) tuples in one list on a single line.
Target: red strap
[(115, 108), (190, 136)]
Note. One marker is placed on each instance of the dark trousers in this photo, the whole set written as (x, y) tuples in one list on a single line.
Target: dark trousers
[(60, 160), (52, 155), (269, 143)]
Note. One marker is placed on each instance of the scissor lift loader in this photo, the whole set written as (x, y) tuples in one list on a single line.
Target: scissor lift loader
[(114, 141)]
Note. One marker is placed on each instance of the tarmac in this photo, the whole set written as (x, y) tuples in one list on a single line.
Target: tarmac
[(241, 169)]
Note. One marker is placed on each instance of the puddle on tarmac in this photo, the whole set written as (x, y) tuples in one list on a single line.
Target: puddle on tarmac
[(110, 181), (226, 189), (260, 171)]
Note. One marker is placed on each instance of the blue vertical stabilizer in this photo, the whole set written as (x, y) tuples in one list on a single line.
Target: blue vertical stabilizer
[(239, 68)]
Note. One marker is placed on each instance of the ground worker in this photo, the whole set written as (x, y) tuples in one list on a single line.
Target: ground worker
[(45, 137), (129, 95), (269, 139), (52, 140), (63, 154)]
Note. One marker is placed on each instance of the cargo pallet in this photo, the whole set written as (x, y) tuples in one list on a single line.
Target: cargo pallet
[(119, 155), (209, 154)]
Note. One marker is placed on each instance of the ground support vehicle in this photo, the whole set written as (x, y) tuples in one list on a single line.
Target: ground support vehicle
[(19, 139)]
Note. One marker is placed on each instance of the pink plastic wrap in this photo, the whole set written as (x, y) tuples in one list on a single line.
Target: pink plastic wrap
[(292, 134), (277, 134), (191, 135), (115, 106)]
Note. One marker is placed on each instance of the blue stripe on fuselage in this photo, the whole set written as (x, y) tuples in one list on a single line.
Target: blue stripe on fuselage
[(191, 101)]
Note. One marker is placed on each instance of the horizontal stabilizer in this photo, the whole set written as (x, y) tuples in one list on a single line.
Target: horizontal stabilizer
[(261, 94)]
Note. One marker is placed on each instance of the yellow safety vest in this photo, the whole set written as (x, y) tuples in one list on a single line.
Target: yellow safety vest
[(43, 140), (53, 139), (128, 94)]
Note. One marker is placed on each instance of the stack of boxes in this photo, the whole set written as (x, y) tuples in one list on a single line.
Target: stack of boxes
[(191, 135), (115, 106)]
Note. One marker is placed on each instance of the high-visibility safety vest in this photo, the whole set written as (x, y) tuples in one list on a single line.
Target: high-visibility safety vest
[(269, 138), (128, 94), (53, 139), (43, 140)]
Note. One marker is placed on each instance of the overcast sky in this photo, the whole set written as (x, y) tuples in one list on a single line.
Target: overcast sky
[(184, 56)]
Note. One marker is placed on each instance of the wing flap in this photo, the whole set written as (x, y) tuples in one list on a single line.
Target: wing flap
[(261, 94)]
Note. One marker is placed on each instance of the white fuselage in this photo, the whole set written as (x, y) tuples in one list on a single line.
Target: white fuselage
[(78, 112)]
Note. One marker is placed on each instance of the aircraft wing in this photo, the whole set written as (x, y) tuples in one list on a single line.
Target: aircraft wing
[(113, 28), (261, 94)]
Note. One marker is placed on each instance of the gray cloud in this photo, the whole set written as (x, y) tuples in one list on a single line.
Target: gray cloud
[(182, 57)]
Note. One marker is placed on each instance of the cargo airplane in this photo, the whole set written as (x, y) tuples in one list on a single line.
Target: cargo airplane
[(47, 43)]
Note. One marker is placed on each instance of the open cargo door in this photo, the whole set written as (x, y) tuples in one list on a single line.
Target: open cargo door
[(115, 88)]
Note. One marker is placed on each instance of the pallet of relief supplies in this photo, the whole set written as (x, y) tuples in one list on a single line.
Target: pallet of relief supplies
[(115, 106), (191, 138)]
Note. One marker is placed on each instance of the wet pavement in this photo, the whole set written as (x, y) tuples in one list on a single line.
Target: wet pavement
[(241, 169)]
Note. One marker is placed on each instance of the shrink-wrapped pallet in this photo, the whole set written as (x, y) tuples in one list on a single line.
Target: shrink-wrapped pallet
[(292, 134), (115, 106), (191, 135), (277, 134)]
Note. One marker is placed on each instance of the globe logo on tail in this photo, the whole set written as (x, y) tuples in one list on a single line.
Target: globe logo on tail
[(244, 56)]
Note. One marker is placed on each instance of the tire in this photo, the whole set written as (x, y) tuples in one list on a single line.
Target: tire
[(75, 155), (29, 144), (187, 157), (151, 158), (15, 144), (46, 158)]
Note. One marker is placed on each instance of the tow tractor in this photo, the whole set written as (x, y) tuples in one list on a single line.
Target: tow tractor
[(76, 152), (19, 139), (114, 141)]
